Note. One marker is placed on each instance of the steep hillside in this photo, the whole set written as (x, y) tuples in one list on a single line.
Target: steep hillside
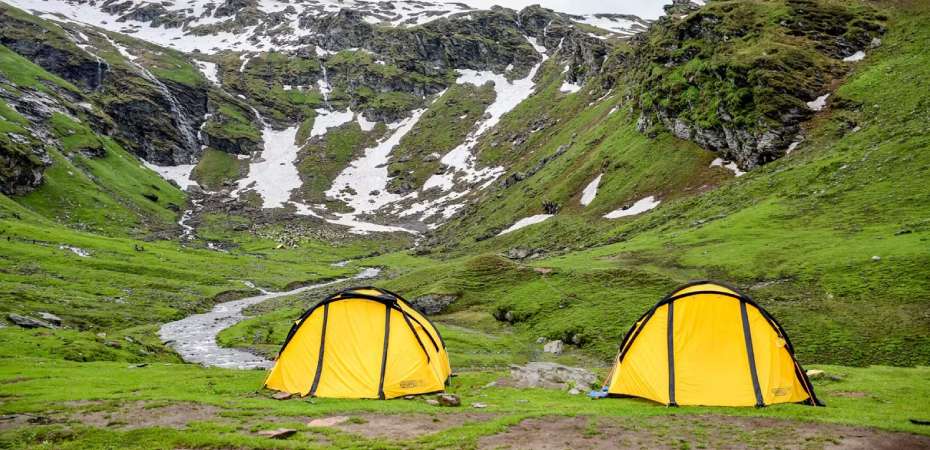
[(831, 238)]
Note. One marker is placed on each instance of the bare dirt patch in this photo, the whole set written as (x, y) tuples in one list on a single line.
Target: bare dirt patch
[(406, 426), (702, 431), (142, 415)]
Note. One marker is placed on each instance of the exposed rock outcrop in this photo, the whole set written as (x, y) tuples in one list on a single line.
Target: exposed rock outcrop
[(749, 108)]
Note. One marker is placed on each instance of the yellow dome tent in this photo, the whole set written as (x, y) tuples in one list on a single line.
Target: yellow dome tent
[(709, 344), (362, 342)]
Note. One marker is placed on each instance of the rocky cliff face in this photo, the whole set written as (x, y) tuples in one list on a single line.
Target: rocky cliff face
[(738, 80)]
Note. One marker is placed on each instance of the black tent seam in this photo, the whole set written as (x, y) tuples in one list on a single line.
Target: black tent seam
[(319, 361), (750, 352), (384, 355), (670, 333), (417, 336)]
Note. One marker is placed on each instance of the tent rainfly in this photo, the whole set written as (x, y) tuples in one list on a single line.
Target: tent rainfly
[(709, 344), (362, 342)]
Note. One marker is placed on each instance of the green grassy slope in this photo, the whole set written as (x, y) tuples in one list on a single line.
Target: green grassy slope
[(799, 233)]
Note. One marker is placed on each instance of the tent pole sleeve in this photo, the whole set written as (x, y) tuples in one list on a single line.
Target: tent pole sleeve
[(747, 335), (671, 354), (319, 360), (384, 354)]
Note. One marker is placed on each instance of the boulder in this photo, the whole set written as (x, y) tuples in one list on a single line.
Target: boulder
[(279, 433), (282, 395), (448, 400), (433, 303), (555, 347), (552, 376), (28, 322), (50, 318)]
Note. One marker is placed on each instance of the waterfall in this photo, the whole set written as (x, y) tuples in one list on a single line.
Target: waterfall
[(324, 85), (184, 125)]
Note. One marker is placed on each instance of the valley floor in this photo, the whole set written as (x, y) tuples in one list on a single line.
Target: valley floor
[(58, 404)]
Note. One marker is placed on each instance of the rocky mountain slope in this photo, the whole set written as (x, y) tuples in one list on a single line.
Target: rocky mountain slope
[(748, 140)]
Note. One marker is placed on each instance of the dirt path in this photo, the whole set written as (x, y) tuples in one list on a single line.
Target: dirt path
[(693, 431), (194, 337)]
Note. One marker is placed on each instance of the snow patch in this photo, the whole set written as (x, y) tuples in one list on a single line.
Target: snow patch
[(858, 56), (641, 206), (731, 166), (525, 222), (569, 87), (818, 103), (363, 123), (460, 161), (274, 176), (590, 191), (180, 174), (209, 70), (368, 176)]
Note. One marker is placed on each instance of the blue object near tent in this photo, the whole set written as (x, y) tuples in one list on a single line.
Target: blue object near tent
[(599, 393)]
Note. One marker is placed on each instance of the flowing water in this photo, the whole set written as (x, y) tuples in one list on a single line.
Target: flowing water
[(194, 337), (184, 125)]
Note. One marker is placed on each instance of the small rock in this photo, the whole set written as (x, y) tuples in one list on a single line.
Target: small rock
[(542, 270), (282, 395), (433, 303), (876, 258), (432, 402), (576, 339), (448, 400), (328, 421), (541, 340), (508, 316), (573, 391), (550, 375), (280, 433), (479, 405), (410, 397), (101, 335), (491, 384), (876, 42), (113, 344), (28, 322), (555, 347), (51, 318), (815, 374)]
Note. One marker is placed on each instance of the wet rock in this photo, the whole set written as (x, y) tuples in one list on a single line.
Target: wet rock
[(552, 376), (448, 400), (51, 318), (555, 347), (280, 433), (28, 322), (433, 303)]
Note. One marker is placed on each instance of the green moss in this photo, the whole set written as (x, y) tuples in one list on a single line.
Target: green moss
[(216, 168)]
